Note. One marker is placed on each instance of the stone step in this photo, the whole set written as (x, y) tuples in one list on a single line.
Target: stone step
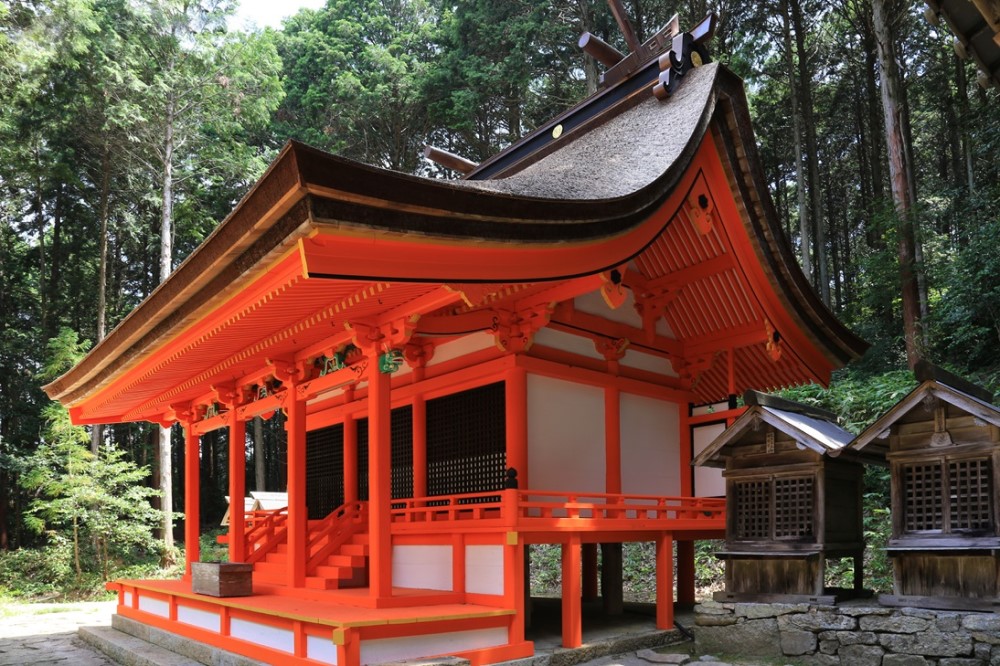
[(133, 644)]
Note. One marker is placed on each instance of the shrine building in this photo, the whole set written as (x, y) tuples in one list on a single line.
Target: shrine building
[(581, 309)]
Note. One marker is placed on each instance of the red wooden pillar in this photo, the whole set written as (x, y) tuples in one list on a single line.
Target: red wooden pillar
[(612, 589), (685, 549), (516, 397), (237, 485), (419, 446), (379, 477), (572, 614), (192, 497), (350, 459), (298, 524), (665, 581)]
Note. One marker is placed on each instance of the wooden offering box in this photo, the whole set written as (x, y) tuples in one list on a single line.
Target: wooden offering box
[(943, 446), (222, 579), (792, 501)]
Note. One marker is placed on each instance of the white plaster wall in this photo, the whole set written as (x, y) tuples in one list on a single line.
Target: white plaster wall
[(197, 617), (462, 346), (262, 634), (708, 481), (484, 569), (565, 435), (642, 361), (154, 606), (650, 446), (424, 567), (568, 342), (321, 648), (126, 599), (412, 647)]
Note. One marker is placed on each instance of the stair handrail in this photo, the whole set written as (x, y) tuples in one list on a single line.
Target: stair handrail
[(337, 528), (269, 528)]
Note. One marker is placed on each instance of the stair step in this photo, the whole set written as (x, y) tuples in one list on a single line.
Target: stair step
[(343, 560), (354, 549), (335, 573), (360, 537), (321, 583), (281, 548), (269, 569)]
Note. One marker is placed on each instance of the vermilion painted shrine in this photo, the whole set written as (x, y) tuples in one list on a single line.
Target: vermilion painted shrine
[(579, 308)]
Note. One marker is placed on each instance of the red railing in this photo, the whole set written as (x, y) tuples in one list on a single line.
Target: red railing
[(527, 509), (265, 530), (334, 531)]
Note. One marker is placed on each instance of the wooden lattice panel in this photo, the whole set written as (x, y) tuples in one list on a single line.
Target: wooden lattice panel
[(970, 493), (466, 441), (753, 509), (793, 507), (923, 503), (324, 470)]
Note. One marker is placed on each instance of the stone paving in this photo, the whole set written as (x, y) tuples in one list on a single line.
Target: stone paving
[(45, 634)]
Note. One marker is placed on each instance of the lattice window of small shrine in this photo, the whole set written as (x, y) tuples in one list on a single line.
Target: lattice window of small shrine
[(948, 496)]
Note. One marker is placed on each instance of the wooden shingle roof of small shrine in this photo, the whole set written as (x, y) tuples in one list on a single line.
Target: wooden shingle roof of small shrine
[(937, 386), (812, 428), (658, 202)]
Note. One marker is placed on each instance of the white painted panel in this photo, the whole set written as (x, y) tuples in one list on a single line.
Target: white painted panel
[(568, 342), (199, 618), (650, 431), (154, 606), (708, 481), (484, 569), (460, 347), (593, 303), (565, 435), (321, 649), (126, 599), (262, 634), (423, 567), (412, 647), (641, 361)]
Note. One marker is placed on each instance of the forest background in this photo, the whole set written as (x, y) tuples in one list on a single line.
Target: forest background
[(130, 128)]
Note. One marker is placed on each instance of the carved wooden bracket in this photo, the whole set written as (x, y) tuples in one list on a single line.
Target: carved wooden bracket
[(651, 304), (418, 354), (690, 369), (613, 349), (515, 331), (377, 339)]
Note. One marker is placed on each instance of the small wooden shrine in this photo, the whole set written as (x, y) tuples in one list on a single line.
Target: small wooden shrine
[(942, 442), (790, 502)]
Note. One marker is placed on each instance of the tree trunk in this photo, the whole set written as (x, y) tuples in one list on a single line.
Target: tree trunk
[(166, 254), (97, 432), (899, 178), (805, 233), (961, 82), (812, 151)]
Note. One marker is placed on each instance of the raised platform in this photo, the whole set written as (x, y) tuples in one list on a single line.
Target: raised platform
[(324, 626), (133, 643)]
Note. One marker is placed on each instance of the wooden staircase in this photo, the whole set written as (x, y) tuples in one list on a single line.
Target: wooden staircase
[(337, 547)]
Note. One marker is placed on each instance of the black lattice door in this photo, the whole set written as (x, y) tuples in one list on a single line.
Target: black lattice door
[(466, 441), (324, 470), (401, 429)]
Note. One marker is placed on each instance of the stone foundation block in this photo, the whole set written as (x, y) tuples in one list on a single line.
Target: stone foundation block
[(795, 642), (929, 643), (904, 660), (861, 655), (819, 621), (758, 611), (900, 624)]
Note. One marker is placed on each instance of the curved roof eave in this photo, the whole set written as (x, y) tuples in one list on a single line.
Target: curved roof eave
[(307, 189)]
